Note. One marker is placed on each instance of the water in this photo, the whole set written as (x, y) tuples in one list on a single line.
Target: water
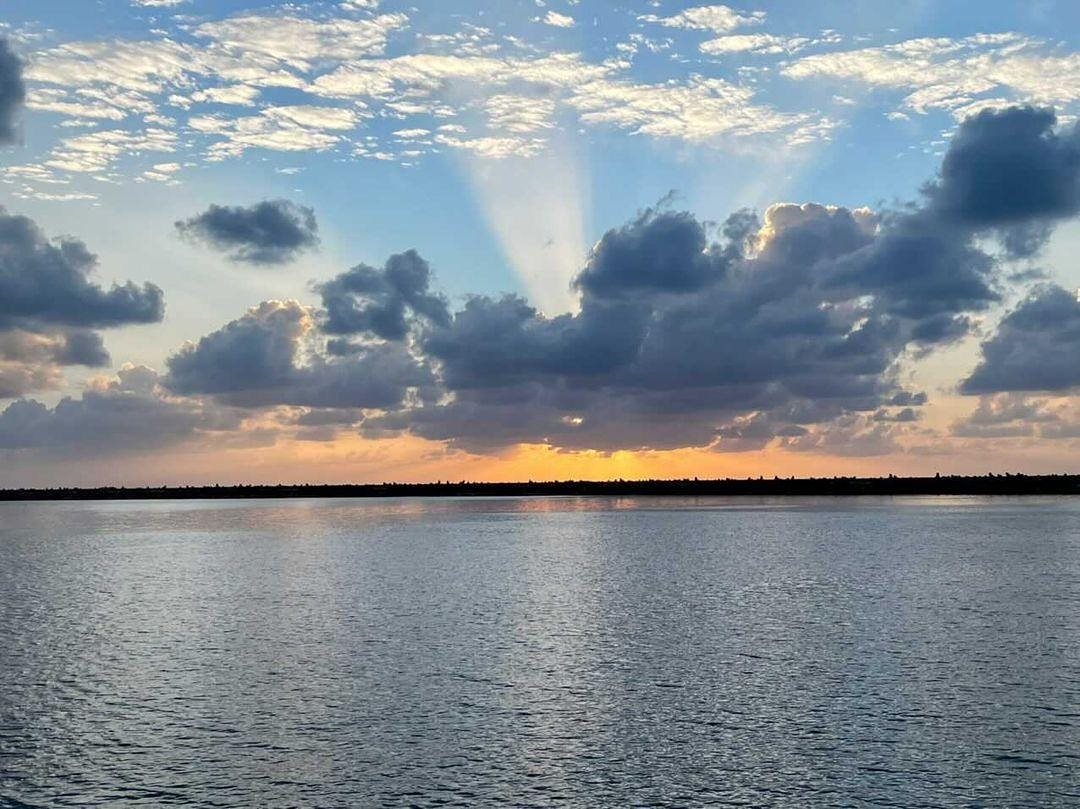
[(539, 652)]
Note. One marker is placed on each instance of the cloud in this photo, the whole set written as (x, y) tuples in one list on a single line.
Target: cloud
[(265, 358), (47, 283), (298, 42), (960, 76), (658, 251), (268, 232), (698, 110), (789, 331), (557, 20), (298, 128), (98, 151), (793, 331), (221, 66), (719, 19), (126, 414), (678, 338), (368, 301), (49, 305), (1006, 168), (12, 92), (32, 360), (1035, 348)]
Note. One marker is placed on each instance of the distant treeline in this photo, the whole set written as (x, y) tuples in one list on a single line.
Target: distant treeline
[(1004, 484)]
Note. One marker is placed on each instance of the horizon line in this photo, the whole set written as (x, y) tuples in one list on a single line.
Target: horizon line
[(991, 483)]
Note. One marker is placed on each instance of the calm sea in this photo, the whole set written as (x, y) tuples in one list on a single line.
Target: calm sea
[(541, 652)]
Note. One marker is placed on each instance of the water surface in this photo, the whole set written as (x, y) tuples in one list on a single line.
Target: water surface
[(541, 652)]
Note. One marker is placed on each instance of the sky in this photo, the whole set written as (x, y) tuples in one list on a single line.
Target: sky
[(365, 240)]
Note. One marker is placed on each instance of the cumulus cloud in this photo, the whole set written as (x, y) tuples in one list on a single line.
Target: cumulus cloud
[(47, 282), (791, 331), (31, 361), (1011, 170), (49, 304), (264, 358), (124, 414), (12, 92), (1035, 348), (678, 337), (657, 251), (382, 302), (268, 232)]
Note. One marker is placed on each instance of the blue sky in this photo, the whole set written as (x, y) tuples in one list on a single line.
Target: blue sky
[(501, 140)]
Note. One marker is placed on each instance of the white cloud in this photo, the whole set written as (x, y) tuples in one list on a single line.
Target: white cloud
[(314, 117), (760, 44), (496, 148), (55, 100), (240, 95), (556, 19), (700, 110), (520, 114), (522, 96), (720, 19), (140, 67), (957, 75), (98, 151), (298, 42), (283, 129)]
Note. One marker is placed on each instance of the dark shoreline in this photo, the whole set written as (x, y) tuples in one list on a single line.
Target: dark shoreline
[(998, 485)]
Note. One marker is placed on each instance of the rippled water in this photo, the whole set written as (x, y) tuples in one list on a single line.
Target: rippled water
[(538, 652)]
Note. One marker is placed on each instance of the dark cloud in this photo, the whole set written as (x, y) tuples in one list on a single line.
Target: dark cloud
[(806, 328), (328, 418), (82, 348), (32, 361), (47, 283), (58, 348), (1010, 170), (902, 416), (850, 436), (791, 331), (920, 268), (260, 359), (268, 232), (906, 398), (493, 342), (660, 251), (1010, 166), (1035, 348), (124, 415), (366, 300), (49, 305), (254, 352), (12, 92)]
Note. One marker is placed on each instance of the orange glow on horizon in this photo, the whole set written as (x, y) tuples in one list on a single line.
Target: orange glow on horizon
[(352, 459)]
